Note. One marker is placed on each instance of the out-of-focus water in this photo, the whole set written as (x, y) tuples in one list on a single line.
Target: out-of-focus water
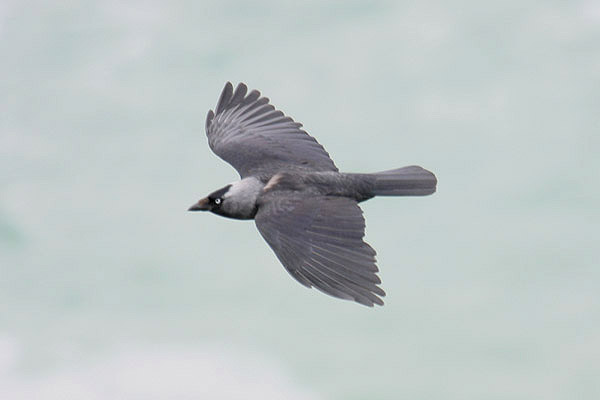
[(110, 289)]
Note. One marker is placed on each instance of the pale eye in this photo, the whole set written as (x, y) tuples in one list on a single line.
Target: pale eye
[(217, 200)]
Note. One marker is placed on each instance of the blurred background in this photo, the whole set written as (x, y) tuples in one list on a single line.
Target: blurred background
[(109, 289)]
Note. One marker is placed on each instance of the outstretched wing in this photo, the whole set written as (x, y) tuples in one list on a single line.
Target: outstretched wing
[(254, 137), (319, 242)]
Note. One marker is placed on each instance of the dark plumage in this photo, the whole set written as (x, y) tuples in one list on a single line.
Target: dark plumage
[(304, 208)]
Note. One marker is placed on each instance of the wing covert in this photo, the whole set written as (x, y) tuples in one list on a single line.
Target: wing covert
[(257, 139)]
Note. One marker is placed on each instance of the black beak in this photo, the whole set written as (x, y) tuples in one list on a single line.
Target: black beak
[(201, 205)]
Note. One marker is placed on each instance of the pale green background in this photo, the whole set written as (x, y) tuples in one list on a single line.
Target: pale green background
[(109, 289)]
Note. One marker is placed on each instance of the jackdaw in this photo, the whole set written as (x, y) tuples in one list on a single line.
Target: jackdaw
[(304, 208)]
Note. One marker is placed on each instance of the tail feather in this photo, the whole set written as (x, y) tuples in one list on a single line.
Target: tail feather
[(406, 181)]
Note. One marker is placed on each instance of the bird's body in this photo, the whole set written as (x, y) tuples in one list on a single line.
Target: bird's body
[(304, 208)]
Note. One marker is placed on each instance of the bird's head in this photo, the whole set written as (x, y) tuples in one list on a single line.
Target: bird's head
[(214, 202), (236, 200)]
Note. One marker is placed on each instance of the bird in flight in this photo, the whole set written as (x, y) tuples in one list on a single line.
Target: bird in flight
[(304, 208)]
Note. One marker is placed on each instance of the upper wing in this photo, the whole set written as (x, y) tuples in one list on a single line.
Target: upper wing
[(319, 242), (254, 137)]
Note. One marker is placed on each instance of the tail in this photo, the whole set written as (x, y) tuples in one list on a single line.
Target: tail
[(406, 181)]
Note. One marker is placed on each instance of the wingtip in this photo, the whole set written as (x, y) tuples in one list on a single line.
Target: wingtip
[(230, 97), (209, 118), (371, 303), (241, 86), (238, 95), (225, 97)]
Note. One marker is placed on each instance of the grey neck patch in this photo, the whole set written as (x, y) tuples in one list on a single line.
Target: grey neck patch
[(240, 200)]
